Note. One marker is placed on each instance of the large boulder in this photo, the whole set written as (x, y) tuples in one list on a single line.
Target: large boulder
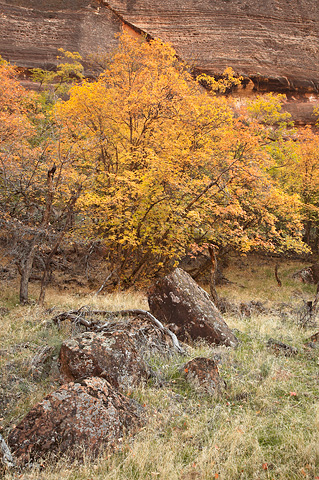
[(79, 417), (111, 355), (179, 302)]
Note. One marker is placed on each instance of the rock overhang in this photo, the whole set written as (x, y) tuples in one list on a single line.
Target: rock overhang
[(274, 43)]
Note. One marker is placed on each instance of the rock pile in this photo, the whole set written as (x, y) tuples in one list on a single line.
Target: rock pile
[(91, 410)]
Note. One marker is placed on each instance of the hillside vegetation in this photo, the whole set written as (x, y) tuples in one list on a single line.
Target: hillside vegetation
[(149, 165), (138, 168)]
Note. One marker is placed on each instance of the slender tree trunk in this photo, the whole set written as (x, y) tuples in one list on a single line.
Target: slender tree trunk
[(27, 261), (213, 293), (25, 271), (277, 276), (46, 273)]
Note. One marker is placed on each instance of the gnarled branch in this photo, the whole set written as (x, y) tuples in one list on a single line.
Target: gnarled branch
[(78, 316)]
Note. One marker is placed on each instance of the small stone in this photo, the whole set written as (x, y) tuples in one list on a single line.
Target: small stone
[(203, 375), (279, 347)]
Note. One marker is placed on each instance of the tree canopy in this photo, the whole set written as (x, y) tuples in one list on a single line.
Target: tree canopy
[(153, 164)]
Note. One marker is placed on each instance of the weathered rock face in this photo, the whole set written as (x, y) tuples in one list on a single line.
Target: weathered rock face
[(203, 375), (274, 42), (88, 415), (111, 356), (33, 30), (147, 338), (178, 301)]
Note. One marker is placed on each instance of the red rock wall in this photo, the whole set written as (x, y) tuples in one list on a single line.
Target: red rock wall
[(276, 40), (273, 42), (33, 30)]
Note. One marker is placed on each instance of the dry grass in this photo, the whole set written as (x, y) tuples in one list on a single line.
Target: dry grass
[(265, 426), (254, 279)]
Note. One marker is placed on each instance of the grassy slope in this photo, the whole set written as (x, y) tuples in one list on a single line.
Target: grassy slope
[(264, 427)]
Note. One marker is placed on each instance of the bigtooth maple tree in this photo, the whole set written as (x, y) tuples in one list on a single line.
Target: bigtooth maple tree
[(168, 165)]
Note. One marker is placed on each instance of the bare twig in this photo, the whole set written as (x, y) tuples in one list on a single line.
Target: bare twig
[(153, 319), (105, 281)]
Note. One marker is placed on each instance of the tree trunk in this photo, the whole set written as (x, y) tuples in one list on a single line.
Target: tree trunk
[(46, 273), (27, 261), (25, 271), (213, 292), (277, 276)]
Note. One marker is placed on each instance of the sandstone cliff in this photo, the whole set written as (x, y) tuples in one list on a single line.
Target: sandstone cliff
[(33, 30), (273, 43)]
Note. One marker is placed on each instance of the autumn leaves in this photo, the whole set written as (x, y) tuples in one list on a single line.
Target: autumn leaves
[(160, 163)]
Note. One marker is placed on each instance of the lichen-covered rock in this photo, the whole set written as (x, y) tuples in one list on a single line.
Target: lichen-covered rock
[(111, 355), (42, 362), (79, 417), (203, 375), (279, 347), (148, 338), (179, 302)]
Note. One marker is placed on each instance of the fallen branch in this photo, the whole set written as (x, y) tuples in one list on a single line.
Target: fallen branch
[(153, 319), (77, 316), (6, 456)]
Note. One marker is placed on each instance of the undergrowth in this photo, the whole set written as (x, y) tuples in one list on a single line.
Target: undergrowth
[(264, 426)]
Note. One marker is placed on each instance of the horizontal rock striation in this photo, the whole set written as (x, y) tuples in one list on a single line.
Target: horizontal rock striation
[(33, 30), (274, 42)]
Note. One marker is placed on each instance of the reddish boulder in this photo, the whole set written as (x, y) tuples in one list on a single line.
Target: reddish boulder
[(203, 375), (308, 274), (187, 309), (111, 355), (85, 416), (314, 338), (313, 341)]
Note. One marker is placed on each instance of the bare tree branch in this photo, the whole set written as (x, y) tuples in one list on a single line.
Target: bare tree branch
[(78, 316)]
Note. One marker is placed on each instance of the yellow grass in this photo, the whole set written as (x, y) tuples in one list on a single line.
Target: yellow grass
[(265, 425)]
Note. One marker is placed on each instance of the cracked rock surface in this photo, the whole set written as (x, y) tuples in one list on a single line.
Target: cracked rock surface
[(112, 356), (187, 309), (79, 417)]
